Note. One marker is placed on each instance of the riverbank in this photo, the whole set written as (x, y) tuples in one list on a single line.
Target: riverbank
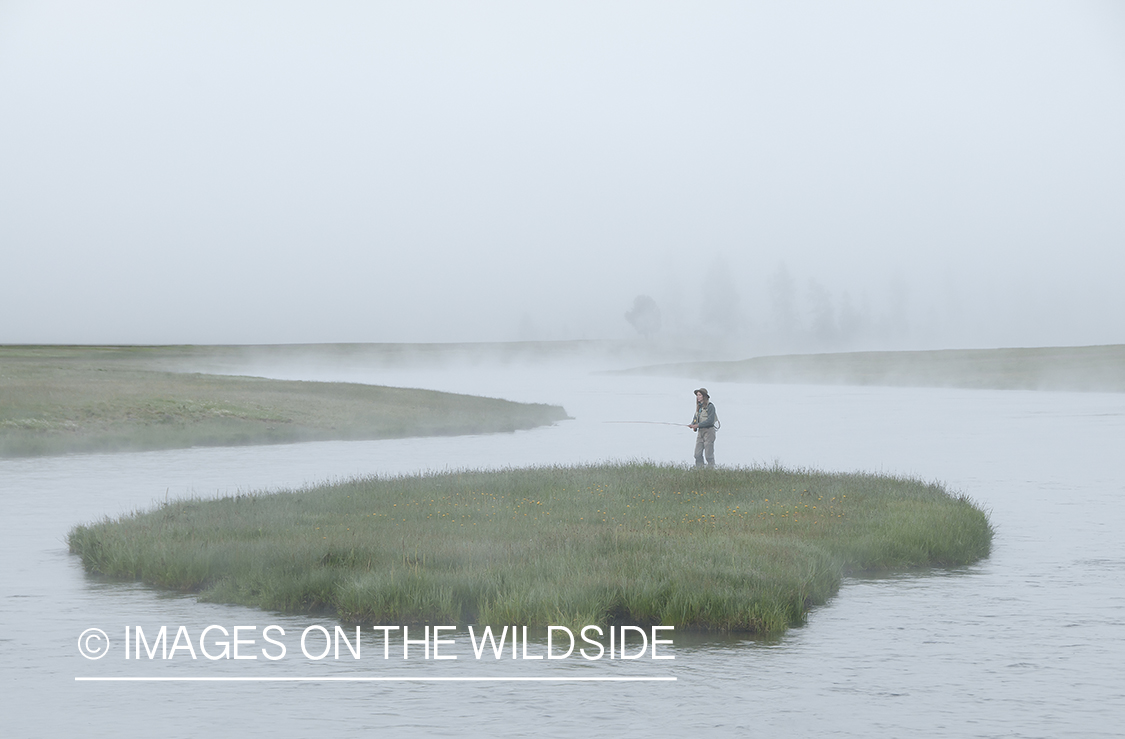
[(723, 549), (55, 400), (1077, 368)]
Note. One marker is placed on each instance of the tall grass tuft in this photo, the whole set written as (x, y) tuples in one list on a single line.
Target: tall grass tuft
[(748, 549)]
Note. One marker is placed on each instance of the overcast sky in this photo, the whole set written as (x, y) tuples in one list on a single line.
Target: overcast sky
[(823, 175)]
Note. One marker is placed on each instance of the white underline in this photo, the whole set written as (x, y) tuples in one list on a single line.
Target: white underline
[(400, 679)]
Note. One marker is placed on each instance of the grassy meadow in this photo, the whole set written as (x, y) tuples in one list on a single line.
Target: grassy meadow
[(55, 400), (1080, 368), (715, 549)]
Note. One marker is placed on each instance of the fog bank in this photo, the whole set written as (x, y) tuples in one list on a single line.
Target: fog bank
[(776, 177)]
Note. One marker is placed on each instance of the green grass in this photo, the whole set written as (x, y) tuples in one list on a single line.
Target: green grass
[(55, 400), (1081, 368), (719, 549)]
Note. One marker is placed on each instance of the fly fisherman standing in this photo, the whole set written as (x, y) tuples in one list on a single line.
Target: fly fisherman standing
[(704, 425)]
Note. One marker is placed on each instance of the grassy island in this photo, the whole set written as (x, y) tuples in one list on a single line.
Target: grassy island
[(722, 549), (55, 400)]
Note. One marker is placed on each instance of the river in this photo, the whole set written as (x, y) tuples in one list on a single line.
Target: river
[(1028, 643)]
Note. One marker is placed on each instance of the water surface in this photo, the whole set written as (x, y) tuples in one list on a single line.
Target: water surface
[(1028, 643)]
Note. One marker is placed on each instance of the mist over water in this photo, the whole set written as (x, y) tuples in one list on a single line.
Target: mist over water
[(775, 177)]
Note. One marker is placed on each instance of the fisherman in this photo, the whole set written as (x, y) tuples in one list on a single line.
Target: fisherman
[(704, 424)]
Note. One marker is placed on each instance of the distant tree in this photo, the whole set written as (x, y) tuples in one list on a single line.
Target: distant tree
[(897, 320), (783, 295), (720, 311), (645, 316), (824, 326), (853, 320)]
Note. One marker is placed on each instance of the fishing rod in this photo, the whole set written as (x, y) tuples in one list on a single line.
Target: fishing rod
[(662, 423)]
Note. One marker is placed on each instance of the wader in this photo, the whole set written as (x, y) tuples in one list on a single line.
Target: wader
[(705, 445)]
